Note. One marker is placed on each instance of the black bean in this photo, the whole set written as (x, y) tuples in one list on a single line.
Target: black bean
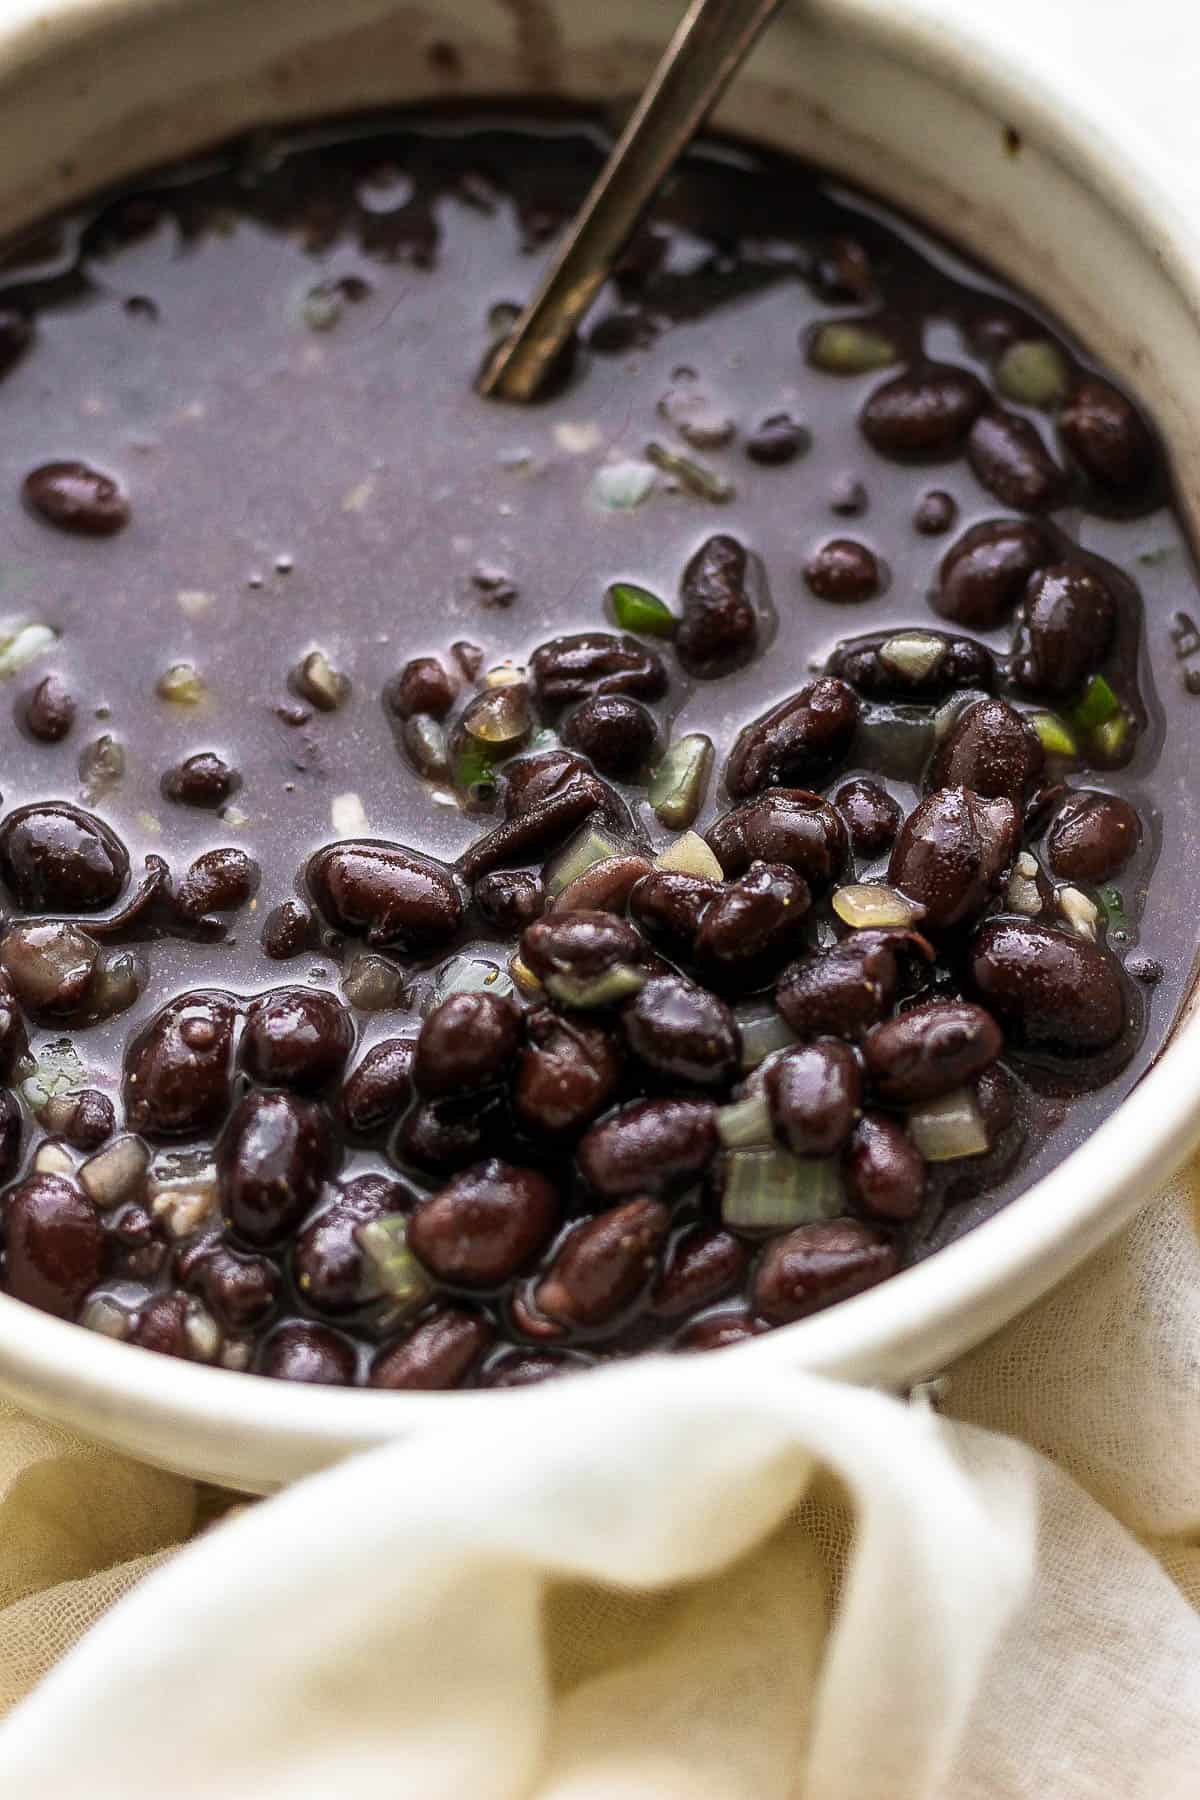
[(813, 1093), (297, 1037), (178, 1070), (985, 571), (1011, 461), (952, 854), (49, 710), (50, 968), (717, 1331), (436, 1354), (85, 1120), (719, 629), (567, 669), (204, 779), (778, 440), (669, 905), (580, 945), (1107, 437), (935, 513), (681, 1031), (817, 1265), (466, 1043), (76, 498), (1092, 836), (872, 818), (753, 923), (328, 1262), (510, 899), (884, 1170), (842, 270), (702, 1264), (648, 1145), (12, 1131), (161, 1325), (1064, 629), (16, 335), (605, 1262), (543, 775), (567, 1074), (848, 498), (930, 1050), (915, 664), (925, 413), (442, 1136), (615, 732), (298, 1350), (289, 929), (526, 1368), (422, 686), (844, 571), (57, 858), (575, 793), (1049, 986), (218, 881), (486, 1225), (798, 741), (390, 895), (379, 1087), (54, 1244), (789, 825), (604, 887), (992, 750), (241, 1291), (843, 990), (14, 1039), (273, 1157)]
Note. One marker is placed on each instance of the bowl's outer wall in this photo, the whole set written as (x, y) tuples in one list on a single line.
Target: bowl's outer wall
[(91, 90)]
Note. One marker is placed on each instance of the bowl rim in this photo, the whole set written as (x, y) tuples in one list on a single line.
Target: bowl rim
[(995, 1269)]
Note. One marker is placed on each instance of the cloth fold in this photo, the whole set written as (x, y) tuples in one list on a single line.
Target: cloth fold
[(678, 1578)]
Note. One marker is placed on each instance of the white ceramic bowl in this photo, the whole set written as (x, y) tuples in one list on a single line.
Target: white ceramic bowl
[(919, 111)]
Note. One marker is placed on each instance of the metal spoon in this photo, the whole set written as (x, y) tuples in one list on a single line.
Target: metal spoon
[(709, 46)]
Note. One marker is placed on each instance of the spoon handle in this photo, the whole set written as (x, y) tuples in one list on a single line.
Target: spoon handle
[(710, 43)]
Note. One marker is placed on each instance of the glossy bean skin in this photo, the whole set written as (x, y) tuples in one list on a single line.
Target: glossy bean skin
[(436, 1354), (1108, 438), (871, 817), (814, 1093), (296, 1037), (466, 1043), (388, 894), (798, 741), (161, 1325), (843, 571), (273, 1157), (203, 780), (49, 711), (669, 905), (58, 858), (545, 798), (580, 944), (884, 1170), (816, 1265), (952, 854), (440, 1137), (1048, 986), (1009, 458), (241, 1291), (605, 887), (752, 925), (76, 498), (328, 1261), (865, 663), (179, 1068), (379, 1086), (486, 1225), (702, 1265), (930, 1050), (923, 413), (985, 572), (510, 899), (54, 1243), (615, 733), (841, 991), (648, 1145), (299, 1350), (1065, 629), (717, 1330), (1092, 836), (578, 667), (682, 1032), (289, 929), (568, 1073), (719, 629), (603, 1264), (218, 881), (422, 686), (991, 750), (787, 825)]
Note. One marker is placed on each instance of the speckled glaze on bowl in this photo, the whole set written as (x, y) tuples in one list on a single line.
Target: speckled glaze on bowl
[(1023, 169)]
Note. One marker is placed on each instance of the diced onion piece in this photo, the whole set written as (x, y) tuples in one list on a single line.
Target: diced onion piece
[(53, 1159), (372, 983), (524, 979), (637, 609), (202, 1332), (678, 785), (869, 904), (764, 1031), (843, 347), (116, 1171), (585, 992), (746, 1122), (588, 847), (500, 716), (1033, 373), (182, 684), (623, 485), (106, 1317), (20, 644), (1081, 914), (694, 477), (1023, 894), (472, 975), (690, 855), (389, 1265), (348, 816), (913, 654), (770, 1190), (506, 675), (1056, 736), (949, 1127)]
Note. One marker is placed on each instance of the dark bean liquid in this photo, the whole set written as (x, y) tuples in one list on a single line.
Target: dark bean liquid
[(490, 890)]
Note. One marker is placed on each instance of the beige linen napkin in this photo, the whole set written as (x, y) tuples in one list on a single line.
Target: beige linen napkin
[(678, 1579)]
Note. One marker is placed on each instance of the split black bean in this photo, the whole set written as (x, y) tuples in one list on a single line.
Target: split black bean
[(916, 665), (719, 630), (797, 742), (568, 669), (788, 825)]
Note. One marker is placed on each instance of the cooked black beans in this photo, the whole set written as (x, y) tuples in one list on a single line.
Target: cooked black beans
[(930, 1050), (379, 1086), (241, 1290), (1010, 459), (841, 991), (952, 854), (616, 733), (648, 1145), (328, 1261), (1048, 986), (926, 413), (717, 1331), (53, 1243), (288, 930), (389, 895), (297, 1037), (813, 1093), (844, 571), (273, 1156), (299, 1350), (510, 899), (204, 779), (1107, 437), (49, 711), (437, 1353), (568, 1073), (778, 440), (682, 1032), (788, 825), (50, 968), (702, 1265), (798, 741), (422, 686), (86, 1119), (76, 498), (669, 905), (604, 887), (1092, 836), (935, 513), (985, 572), (990, 749), (467, 1042), (603, 1264), (872, 818), (912, 665), (885, 1172), (816, 1265), (179, 1069), (594, 662), (219, 881), (442, 1136), (719, 630), (756, 919), (57, 858), (1065, 628), (546, 798), (572, 951), (485, 1225)]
